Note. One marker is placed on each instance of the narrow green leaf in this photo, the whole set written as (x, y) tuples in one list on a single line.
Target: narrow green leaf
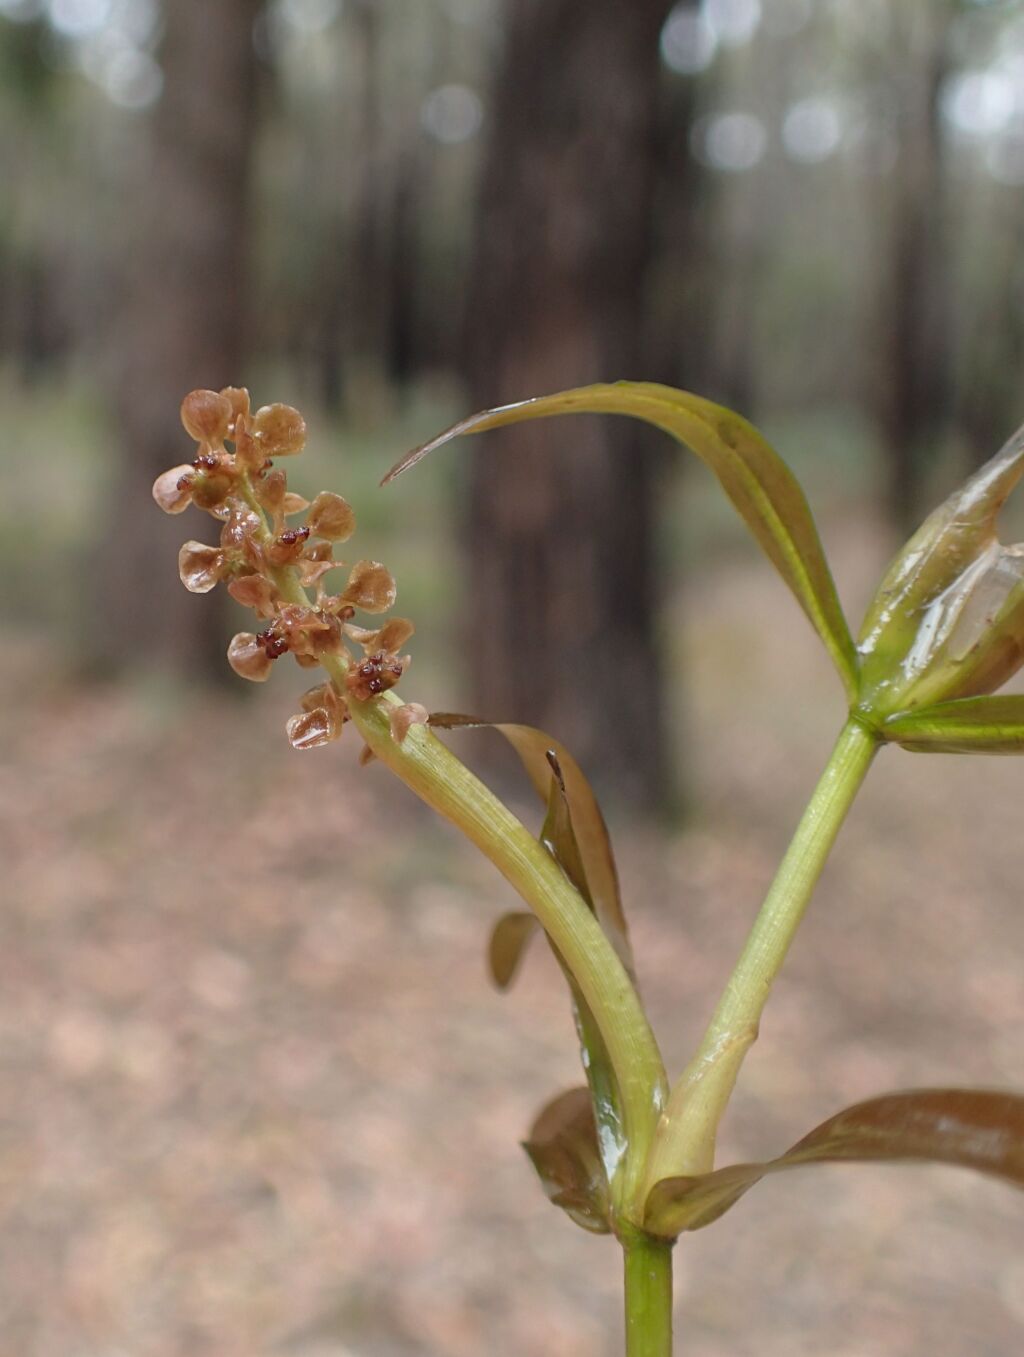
[(563, 1149), (973, 1129), (762, 488), (591, 832), (509, 939), (967, 725)]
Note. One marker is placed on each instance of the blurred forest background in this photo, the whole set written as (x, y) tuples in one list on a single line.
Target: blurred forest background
[(390, 213)]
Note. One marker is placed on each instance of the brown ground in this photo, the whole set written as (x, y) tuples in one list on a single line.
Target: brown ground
[(257, 1096)]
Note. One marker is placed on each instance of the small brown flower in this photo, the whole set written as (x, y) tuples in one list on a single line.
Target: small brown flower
[(255, 592), (402, 718), (172, 489), (207, 416), (270, 491), (238, 399), (287, 546), (249, 658), (370, 587), (331, 517), (388, 639), (374, 675), (279, 430), (323, 715), (200, 567), (268, 566)]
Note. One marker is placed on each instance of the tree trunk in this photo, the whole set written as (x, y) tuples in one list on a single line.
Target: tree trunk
[(914, 344), (183, 325), (561, 531)]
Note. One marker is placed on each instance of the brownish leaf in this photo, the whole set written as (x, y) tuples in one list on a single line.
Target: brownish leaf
[(508, 943), (762, 488), (971, 1128), (563, 1149), (589, 828)]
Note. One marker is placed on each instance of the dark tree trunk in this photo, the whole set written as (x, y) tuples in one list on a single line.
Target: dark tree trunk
[(561, 532), (990, 404), (913, 380), (183, 325)]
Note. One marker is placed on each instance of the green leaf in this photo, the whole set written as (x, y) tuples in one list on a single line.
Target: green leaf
[(764, 491), (967, 725), (971, 1128), (509, 939), (563, 1149), (591, 832)]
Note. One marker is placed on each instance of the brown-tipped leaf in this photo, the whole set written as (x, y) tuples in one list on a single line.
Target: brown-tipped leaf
[(558, 836), (974, 1129), (591, 832), (566, 812), (508, 943), (762, 488), (563, 1149), (967, 725)]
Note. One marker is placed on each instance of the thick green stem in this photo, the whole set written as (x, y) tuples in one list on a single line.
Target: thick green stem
[(648, 1270), (685, 1142), (433, 772)]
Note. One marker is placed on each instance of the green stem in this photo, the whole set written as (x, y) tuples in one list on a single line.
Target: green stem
[(433, 772), (685, 1143), (648, 1271)]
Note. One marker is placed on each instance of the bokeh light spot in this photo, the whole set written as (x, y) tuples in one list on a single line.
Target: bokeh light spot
[(733, 142), (688, 42), (812, 130), (451, 114)]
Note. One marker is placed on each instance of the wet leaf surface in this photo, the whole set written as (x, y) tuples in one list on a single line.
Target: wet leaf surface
[(968, 725), (563, 1149)]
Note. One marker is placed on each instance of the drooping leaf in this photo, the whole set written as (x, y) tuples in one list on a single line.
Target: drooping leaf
[(570, 803), (762, 488), (509, 939), (974, 1129), (591, 832), (967, 725), (558, 835), (563, 1149)]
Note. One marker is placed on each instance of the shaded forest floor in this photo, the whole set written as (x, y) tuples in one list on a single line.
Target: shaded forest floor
[(258, 1097)]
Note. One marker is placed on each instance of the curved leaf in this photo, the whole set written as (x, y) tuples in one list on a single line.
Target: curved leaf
[(967, 725), (971, 1128), (509, 939), (591, 832), (762, 488), (563, 1149), (560, 836)]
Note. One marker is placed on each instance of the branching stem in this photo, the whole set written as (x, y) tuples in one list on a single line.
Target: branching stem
[(685, 1143)]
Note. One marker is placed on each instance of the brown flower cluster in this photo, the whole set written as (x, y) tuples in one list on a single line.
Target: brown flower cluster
[(268, 566)]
